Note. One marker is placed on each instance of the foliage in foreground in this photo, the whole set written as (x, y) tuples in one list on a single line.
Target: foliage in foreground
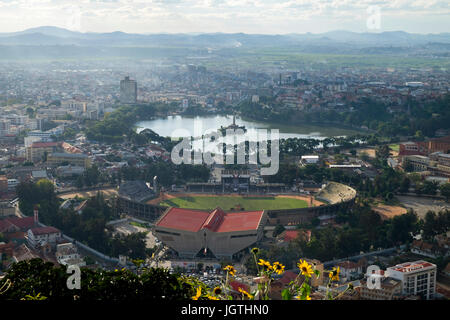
[(297, 289), (37, 280)]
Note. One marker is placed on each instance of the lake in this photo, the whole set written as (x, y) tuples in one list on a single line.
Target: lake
[(183, 126)]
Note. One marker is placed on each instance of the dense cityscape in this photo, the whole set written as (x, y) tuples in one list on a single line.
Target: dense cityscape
[(357, 209)]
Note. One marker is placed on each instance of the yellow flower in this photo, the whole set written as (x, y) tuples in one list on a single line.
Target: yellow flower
[(245, 293), (255, 251), (334, 274), (199, 293), (217, 290), (305, 268), (230, 269), (212, 298), (266, 264), (300, 298), (278, 267)]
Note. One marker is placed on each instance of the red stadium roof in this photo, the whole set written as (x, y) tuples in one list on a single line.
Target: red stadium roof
[(183, 219), (216, 220)]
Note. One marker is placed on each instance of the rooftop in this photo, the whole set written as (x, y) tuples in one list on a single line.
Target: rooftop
[(44, 230), (137, 191), (68, 155), (44, 144), (217, 220), (411, 266)]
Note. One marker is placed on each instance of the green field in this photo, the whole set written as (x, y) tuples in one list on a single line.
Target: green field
[(228, 203), (394, 147)]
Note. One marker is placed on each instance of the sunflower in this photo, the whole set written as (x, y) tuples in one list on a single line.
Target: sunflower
[(305, 268), (199, 293), (255, 251), (278, 267), (265, 264), (230, 269), (245, 293), (334, 274), (212, 298), (217, 290), (300, 298)]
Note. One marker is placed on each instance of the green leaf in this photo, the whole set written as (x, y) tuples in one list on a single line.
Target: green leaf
[(317, 272), (286, 294)]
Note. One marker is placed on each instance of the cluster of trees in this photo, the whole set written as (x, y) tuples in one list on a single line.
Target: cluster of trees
[(289, 173), (89, 227), (33, 277), (90, 177), (386, 183), (117, 126), (132, 245), (435, 224), (167, 172), (422, 120), (363, 230), (40, 194)]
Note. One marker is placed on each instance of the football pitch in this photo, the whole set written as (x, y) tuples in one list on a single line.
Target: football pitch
[(235, 203)]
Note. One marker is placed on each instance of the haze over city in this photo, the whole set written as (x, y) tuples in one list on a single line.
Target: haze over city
[(228, 16)]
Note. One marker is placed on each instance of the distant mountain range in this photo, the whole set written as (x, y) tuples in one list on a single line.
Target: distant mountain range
[(52, 42), (57, 36)]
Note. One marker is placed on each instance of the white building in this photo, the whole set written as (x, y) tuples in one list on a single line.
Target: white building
[(418, 278), (67, 255), (350, 270), (312, 159), (29, 140), (40, 236), (12, 184)]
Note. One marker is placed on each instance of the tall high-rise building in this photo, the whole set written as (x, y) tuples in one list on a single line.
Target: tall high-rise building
[(128, 90), (5, 126)]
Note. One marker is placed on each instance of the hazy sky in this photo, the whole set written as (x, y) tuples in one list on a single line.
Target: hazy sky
[(248, 16)]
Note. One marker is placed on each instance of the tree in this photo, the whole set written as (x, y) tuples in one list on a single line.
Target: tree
[(35, 276), (278, 230), (445, 190)]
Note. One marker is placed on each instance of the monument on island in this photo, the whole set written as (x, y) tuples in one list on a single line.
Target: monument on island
[(232, 126)]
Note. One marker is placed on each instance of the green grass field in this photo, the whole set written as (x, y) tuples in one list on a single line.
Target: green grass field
[(394, 147), (227, 203)]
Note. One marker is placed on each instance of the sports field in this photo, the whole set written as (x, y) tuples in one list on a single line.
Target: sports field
[(235, 203)]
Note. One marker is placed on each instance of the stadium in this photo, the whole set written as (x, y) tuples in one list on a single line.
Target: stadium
[(220, 225)]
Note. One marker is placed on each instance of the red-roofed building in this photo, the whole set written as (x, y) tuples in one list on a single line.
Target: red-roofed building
[(289, 235), (37, 151), (14, 224), (349, 269), (223, 234)]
